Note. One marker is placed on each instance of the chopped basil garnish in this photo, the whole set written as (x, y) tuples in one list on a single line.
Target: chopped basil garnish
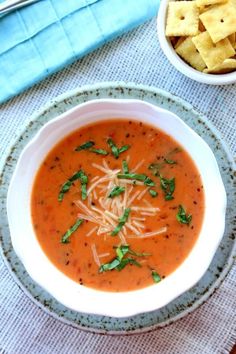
[(122, 220), (125, 167), (170, 162), (84, 181), (120, 262), (65, 237), (116, 191), (153, 193), (85, 146), (149, 182), (156, 277), (109, 266), (66, 186), (156, 167), (168, 187), (114, 148), (64, 189), (99, 151), (137, 177), (124, 148), (126, 261), (182, 217)]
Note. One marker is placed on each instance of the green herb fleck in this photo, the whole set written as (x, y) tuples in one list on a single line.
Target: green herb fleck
[(126, 261), (182, 217), (65, 237), (156, 277), (149, 182), (66, 186), (125, 167), (116, 191), (168, 187), (137, 177), (99, 151), (170, 162), (85, 146), (120, 262), (114, 148), (122, 220), (124, 148), (153, 193), (155, 168), (64, 189), (84, 181)]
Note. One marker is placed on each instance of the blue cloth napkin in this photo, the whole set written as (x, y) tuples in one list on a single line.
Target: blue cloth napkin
[(44, 37)]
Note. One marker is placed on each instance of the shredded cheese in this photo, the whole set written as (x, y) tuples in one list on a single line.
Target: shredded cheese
[(139, 164), (95, 255), (150, 234), (92, 231), (106, 212)]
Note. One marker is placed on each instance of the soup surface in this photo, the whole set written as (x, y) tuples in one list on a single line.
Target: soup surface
[(117, 205)]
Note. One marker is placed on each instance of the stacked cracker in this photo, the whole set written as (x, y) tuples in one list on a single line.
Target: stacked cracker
[(203, 33)]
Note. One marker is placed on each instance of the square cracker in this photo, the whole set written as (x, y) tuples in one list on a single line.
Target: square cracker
[(179, 41), (182, 18), (227, 66), (190, 54), (232, 39), (213, 54), (220, 21)]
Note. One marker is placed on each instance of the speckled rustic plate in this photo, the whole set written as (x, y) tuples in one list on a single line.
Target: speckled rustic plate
[(185, 303)]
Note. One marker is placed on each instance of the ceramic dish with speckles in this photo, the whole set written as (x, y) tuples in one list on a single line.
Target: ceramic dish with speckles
[(84, 299), (184, 303)]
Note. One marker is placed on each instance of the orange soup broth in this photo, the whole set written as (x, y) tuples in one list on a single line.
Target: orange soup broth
[(52, 218)]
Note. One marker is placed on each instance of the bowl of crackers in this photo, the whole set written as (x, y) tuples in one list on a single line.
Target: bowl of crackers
[(199, 38)]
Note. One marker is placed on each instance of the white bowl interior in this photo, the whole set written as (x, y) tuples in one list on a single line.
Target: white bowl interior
[(64, 289), (178, 63)]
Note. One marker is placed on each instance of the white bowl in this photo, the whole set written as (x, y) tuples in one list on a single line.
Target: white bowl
[(65, 290), (179, 64)]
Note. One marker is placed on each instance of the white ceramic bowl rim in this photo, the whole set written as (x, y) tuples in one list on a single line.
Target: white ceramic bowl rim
[(184, 68), (84, 299)]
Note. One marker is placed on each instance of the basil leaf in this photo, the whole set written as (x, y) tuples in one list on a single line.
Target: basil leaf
[(135, 176), (170, 162), (114, 148), (168, 187), (109, 266), (83, 180), (121, 251), (120, 262), (125, 167), (126, 261), (66, 186), (64, 189), (182, 217), (99, 151), (156, 277), (153, 193), (155, 168), (149, 182), (85, 146), (67, 234), (124, 148), (122, 222), (116, 191)]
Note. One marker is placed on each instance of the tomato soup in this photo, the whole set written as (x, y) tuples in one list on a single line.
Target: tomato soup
[(117, 205)]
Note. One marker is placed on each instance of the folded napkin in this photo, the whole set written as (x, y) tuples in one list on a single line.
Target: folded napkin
[(44, 37)]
